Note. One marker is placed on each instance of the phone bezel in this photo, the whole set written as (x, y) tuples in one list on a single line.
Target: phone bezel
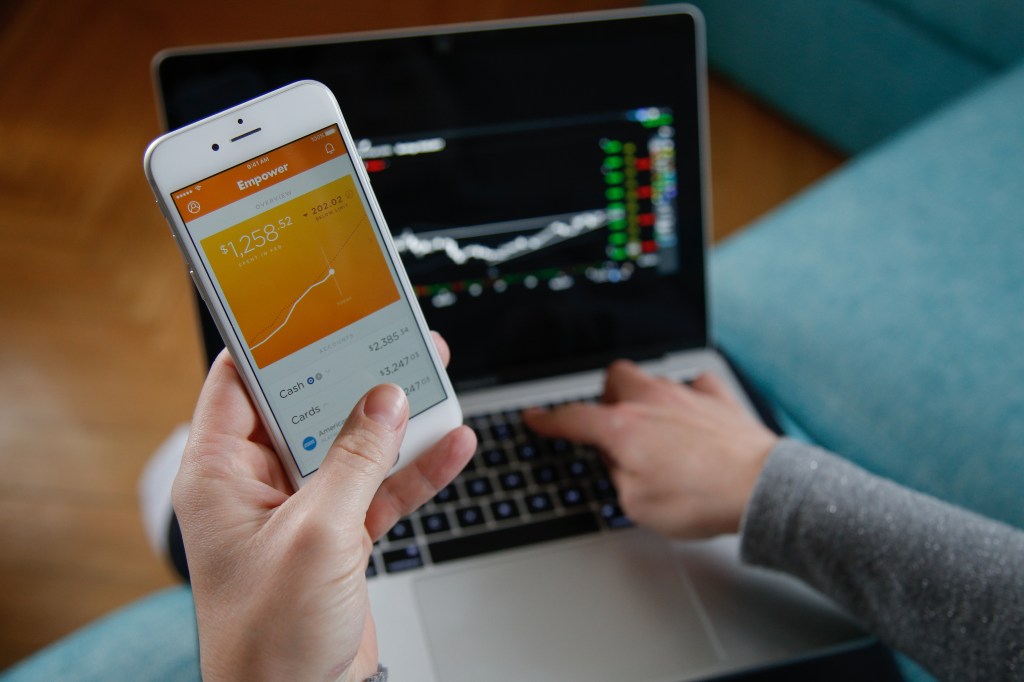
[(185, 156)]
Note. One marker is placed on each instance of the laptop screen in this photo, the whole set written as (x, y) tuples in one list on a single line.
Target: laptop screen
[(543, 182)]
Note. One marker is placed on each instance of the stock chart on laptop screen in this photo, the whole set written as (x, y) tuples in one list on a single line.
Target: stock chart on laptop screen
[(542, 183)]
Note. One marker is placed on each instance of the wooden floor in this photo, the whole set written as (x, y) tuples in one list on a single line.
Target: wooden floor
[(99, 355)]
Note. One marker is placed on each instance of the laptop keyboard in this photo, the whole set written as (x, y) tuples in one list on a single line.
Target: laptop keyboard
[(519, 489)]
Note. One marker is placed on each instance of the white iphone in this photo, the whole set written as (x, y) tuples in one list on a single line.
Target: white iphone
[(284, 239)]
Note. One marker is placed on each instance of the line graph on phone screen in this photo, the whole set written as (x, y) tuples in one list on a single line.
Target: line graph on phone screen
[(301, 271)]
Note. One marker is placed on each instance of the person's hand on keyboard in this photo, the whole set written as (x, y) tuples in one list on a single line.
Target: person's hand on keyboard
[(278, 576), (683, 458)]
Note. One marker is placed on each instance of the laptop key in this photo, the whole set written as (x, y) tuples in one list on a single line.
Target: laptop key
[(501, 432), (495, 457), (538, 503), (556, 528), (545, 474), (404, 559), (470, 516), (572, 496), (613, 516), (478, 487), (527, 452), (447, 494), (578, 468), (512, 480), (504, 510), (435, 523), (400, 531), (603, 488)]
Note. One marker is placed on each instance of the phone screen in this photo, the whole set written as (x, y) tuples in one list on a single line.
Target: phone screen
[(312, 295)]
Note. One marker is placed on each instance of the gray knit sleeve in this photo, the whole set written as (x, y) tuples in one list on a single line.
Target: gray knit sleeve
[(938, 583)]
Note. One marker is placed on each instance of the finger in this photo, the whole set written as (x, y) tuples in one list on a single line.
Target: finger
[(580, 422), (362, 454), (417, 483), (442, 348), (610, 463), (626, 381), (224, 407), (227, 442), (710, 384), (224, 421)]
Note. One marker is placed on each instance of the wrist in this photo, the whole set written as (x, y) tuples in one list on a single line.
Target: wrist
[(747, 482), (381, 675)]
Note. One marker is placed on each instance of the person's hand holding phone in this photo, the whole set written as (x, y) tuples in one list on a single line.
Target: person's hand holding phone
[(278, 575)]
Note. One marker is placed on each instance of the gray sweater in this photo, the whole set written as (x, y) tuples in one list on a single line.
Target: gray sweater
[(938, 583)]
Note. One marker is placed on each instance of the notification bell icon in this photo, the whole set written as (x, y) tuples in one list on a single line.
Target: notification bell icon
[(329, 148)]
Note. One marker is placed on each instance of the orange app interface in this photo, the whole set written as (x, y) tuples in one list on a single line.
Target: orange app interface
[(311, 294), (297, 273)]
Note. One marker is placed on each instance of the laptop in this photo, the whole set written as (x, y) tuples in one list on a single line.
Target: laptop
[(546, 181)]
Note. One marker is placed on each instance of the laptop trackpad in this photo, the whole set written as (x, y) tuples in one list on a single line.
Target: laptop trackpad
[(614, 608)]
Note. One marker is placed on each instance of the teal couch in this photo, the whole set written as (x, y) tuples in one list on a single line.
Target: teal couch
[(857, 71), (881, 312)]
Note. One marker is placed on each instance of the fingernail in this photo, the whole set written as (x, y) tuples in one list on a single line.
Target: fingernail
[(386, 405)]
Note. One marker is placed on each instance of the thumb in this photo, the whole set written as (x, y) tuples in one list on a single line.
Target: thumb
[(363, 453)]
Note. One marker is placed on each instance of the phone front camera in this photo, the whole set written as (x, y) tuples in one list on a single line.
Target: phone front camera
[(240, 121), (215, 147)]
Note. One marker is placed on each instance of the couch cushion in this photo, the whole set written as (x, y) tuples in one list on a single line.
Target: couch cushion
[(154, 639), (992, 30), (883, 310), (853, 72)]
